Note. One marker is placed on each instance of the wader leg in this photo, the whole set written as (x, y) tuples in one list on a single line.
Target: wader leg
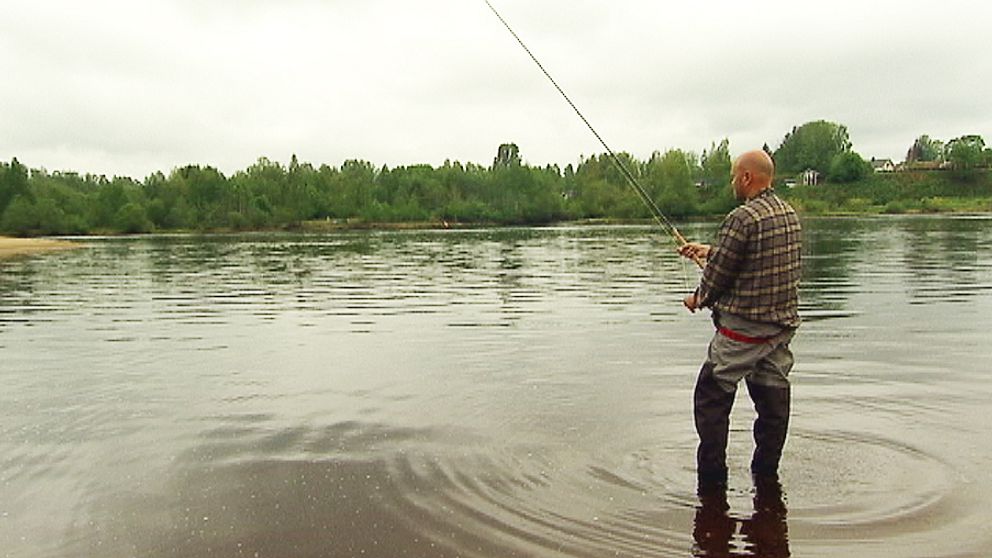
[(771, 426), (712, 405)]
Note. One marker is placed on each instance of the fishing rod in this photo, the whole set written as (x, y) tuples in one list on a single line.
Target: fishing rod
[(656, 213)]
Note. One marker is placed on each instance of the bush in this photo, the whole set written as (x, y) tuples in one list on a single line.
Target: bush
[(132, 219), (848, 167), (811, 207), (857, 205), (20, 217), (237, 221), (895, 207)]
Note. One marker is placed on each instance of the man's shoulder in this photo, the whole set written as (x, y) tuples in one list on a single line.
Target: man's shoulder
[(767, 204), (747, 212), (739, 216)]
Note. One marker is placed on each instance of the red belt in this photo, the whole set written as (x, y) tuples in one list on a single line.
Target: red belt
[(731, 334)]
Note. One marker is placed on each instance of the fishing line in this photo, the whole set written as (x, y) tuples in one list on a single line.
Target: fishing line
[(656, 213)]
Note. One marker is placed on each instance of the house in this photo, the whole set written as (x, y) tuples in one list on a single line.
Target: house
[(882, 165), (810, 177)]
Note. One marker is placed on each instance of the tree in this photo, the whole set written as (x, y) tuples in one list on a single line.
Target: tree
[(20, 217), (812, 146), (110, 198), (355, 195), (517, 193), (673, 171), (848, 167), (925, 150), (13, 183), (965, 154), (132, 219), (205, 187), (508, 155), (602, 191), (716, 165)]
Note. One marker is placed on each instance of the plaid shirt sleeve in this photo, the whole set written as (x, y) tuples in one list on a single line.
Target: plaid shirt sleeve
[(725, 259)]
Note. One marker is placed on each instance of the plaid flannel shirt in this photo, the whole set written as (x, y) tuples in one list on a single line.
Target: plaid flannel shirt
[(753, 271)]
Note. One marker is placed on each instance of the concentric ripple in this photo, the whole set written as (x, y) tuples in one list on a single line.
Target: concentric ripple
[(854, 480)]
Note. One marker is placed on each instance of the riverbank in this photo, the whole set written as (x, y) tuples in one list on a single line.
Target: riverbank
[(11, 247), (896, 194), (334, 225)]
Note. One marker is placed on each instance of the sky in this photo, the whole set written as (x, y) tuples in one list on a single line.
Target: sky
[(130, 87)]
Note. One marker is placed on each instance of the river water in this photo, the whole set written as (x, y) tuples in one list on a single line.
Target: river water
[(484, 393)]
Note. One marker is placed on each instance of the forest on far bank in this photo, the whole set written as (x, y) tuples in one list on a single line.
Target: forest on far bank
[(270, 195)]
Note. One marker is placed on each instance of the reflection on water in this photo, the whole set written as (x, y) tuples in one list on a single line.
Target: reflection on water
[(522, 392), (764, 533)]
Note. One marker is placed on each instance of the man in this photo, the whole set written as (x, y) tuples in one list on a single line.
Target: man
[(751, 282)]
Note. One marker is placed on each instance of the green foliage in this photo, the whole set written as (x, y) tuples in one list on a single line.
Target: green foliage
[(966, 154), (857, 205), (811, 146), (895, 207), (715, 165), (902, 192), (600, 190), (270, 195), (132, 219), (508, 155), (672, 177), (925, 150), (13, 183), (848, 167), (20, 217)]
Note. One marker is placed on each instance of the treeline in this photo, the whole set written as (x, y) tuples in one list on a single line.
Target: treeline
[(270, 195), (936, 175), (825, 147)]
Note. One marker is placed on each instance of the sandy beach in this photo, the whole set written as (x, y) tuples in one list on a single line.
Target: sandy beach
[(10, 247)]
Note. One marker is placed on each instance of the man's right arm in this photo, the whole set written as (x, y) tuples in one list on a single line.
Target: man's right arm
[(724, 260)]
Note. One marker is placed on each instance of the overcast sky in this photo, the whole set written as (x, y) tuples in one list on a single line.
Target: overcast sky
[(133, 86)]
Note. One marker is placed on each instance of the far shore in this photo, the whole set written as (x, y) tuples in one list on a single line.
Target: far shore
[(11, 247), (14, 246)]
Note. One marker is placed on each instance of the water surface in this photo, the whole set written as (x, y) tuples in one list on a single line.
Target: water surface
[(491, 393)]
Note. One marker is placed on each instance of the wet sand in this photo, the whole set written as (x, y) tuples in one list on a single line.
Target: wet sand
[(10, 247)]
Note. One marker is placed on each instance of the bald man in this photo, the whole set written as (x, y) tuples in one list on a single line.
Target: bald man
[(750, 282)]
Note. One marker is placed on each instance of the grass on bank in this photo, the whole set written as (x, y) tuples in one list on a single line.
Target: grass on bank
[(897, 193)]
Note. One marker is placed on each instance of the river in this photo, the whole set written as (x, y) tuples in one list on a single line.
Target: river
[(483, 393)]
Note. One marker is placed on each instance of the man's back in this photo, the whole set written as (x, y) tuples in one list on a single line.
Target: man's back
[(755, 268)]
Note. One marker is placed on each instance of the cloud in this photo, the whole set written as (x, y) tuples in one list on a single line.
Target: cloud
[(129, 88)]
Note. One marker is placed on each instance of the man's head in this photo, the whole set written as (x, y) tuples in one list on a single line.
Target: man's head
[(751, 174)]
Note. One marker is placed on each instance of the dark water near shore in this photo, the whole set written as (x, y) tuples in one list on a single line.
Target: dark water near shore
[(482, 394)]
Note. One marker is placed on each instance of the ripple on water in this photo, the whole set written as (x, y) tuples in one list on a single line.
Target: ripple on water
[(535, 505), (373, 481), (640, 504), (373, 489), (389, 490), (855, 481)]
